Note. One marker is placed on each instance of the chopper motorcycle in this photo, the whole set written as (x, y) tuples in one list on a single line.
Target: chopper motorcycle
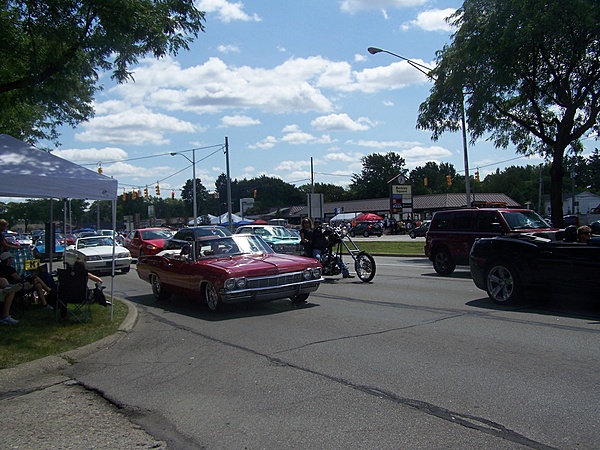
[(339, 240)]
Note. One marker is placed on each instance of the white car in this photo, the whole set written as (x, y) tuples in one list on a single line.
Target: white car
[(97, 253)]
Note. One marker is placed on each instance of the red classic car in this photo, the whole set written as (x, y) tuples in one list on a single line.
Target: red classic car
[(146, 241), (230, 269)]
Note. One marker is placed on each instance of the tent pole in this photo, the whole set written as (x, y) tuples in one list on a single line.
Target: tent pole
[(112, 275)]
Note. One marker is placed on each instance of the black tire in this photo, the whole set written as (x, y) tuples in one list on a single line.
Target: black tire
[(412, 235), (352, 234), (126, 269), (299, 299), (211, 297), (158, 290), (443, 262), (502, 283), (366, 233), (364, 267)]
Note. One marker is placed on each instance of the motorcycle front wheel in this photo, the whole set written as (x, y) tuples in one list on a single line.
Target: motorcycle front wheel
[(364, 265)]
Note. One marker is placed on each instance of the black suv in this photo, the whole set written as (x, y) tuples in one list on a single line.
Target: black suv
[(366, 229), (190, 234), (452, 233)]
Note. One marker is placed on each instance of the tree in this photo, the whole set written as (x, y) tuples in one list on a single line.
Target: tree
[(436, 178), (52, 51), (377, 172), (331, 192), (527, 73), (187, 194)]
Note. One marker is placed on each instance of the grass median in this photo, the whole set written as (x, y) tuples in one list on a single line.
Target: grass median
[(39, 334), (378, 247)]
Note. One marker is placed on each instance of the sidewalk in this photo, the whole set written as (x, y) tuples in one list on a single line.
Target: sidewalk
[(40, 408)]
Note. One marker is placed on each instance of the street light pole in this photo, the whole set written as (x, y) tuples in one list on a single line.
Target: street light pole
[(427, 71), (193, 161)]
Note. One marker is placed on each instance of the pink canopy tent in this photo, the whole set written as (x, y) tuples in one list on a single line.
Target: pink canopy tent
[(369, 217)]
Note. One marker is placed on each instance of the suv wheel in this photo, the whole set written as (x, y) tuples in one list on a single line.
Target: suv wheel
[(366, 233), (443, 262)]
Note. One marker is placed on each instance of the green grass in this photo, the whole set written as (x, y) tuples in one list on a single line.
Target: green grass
[(376, 247), (38, 334)]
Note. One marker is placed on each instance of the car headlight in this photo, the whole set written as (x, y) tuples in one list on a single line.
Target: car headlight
[(93, 258), (123, 255), (151, 247), (307, 274), (235, 283), (316, 273)]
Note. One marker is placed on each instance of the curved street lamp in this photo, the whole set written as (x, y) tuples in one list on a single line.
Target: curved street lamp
[(427, 71), (193, 161)]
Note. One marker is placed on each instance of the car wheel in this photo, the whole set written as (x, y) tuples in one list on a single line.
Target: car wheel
[(366, 234), (158, 290), (412, 235), (211, 297), (300, 298), (125, 269), (502, 283), (365, 267), (352, 234), (443, 262)]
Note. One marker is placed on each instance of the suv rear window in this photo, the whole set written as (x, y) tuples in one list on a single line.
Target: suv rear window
[(441, 222)]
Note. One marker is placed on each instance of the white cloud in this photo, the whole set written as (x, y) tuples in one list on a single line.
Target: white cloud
[(432, 20), (395, 76), (291, 165), (92, 154), (266, 143), (227, 11), (340, 122), (228, 49), (238, 121), (354, 6), (133, 126)]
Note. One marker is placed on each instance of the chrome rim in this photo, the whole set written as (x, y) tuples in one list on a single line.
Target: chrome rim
[(500, 283), (212, 299), (156, 286)]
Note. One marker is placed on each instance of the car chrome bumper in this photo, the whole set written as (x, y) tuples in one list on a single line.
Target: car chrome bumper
[(106, 265), (265, 294)]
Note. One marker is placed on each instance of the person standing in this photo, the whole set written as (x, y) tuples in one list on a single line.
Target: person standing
[(4, 244), (306, 233)]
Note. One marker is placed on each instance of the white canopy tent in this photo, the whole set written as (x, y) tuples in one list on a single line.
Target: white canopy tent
[(29, 172), (345, 217)]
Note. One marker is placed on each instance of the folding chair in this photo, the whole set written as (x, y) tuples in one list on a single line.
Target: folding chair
[(25, 264), (73, 290)]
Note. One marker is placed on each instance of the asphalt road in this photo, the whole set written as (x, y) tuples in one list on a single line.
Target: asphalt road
[(411, 360)]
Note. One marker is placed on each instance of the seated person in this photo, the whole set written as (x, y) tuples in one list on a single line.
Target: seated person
[(7, 295), (45, 286), (584, 234), (10, 273)]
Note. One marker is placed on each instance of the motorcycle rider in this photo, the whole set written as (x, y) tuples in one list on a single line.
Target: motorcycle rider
[(320, 243)]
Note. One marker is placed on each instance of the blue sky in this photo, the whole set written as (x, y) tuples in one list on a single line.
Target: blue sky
[(285, 81)]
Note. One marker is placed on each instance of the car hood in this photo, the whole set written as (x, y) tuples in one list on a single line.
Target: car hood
[(102, 250), (156, 242), (261, 265)]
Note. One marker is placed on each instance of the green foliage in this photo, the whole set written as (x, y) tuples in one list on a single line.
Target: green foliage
[(378, 171), (52, 52), (530, 76)]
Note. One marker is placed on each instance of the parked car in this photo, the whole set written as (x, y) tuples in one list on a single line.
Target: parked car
[(420, 231), (451, 233), (97, 252), (24, 240), (191, 234), (508, 266), (40, 252), (279, 238), (366, 229), (146, 241), (240, 268)]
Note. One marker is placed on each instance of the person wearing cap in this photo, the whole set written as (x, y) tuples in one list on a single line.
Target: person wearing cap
[(4, 244), (10, 273)]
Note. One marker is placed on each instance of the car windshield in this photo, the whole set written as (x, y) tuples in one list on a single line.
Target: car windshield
[(156, 234), (232, 245), (94, 242), (519, 220)]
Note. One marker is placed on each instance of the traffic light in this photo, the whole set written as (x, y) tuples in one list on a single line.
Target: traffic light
[(477, 175), (157, 189), (133, 194), (449, 180), (254, 193), (124, 195), (146, 192), (100, 170), (425, 182), (172, 194)]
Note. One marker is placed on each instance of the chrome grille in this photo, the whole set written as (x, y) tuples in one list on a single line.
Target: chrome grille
[(274, 281)]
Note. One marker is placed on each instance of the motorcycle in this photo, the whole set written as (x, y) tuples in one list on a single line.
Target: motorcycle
[(331, 257)]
